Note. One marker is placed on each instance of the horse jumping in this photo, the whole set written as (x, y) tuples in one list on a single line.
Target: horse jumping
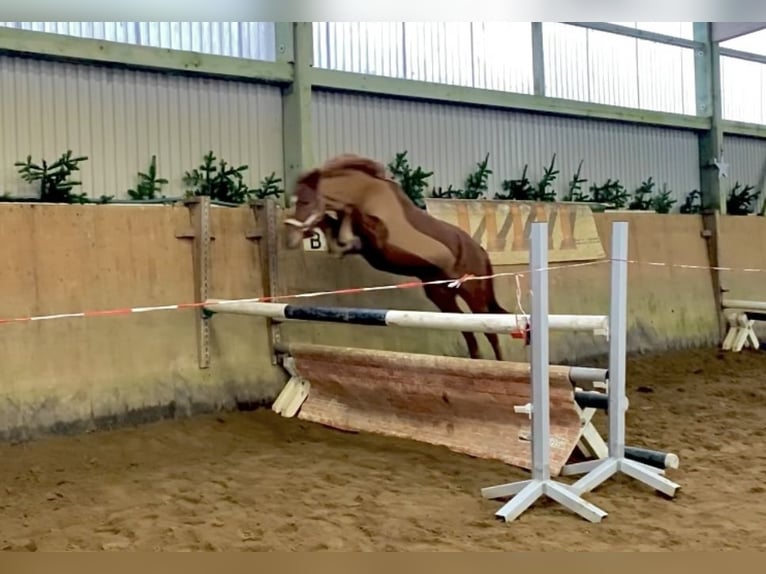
[(378, 221)]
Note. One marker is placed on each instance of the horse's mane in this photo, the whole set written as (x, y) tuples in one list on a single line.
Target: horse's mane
[(356, 162), (353, 162), (367, 166)]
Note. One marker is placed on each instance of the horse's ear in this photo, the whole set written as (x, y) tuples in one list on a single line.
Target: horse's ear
[(310, 178)]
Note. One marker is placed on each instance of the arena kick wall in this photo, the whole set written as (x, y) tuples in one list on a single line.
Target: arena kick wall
[(71, 374)]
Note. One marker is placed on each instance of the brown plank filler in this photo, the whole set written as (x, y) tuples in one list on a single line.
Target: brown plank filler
[(466, 405)]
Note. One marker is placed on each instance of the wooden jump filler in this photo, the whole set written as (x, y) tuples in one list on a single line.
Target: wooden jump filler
[(466, 405)]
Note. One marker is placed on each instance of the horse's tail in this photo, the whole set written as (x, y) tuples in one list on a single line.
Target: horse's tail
[(492, 304), (495, 307)]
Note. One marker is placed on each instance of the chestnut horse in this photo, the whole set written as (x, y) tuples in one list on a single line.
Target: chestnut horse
[(378, 221)]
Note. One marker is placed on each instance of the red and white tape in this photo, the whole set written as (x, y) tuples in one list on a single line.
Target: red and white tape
[(352, 290)]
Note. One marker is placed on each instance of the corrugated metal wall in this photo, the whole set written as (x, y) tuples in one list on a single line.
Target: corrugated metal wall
[(253, 40), (450, 140), (606, 68), (580, 64), (743, 83), (488, 55), (747, 160), (120, 118)]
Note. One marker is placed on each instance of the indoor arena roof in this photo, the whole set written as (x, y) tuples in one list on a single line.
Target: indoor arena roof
[(723, 31)]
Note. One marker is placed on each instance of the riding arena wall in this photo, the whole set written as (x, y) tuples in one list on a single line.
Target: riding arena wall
[(74, 374), (71, 374)]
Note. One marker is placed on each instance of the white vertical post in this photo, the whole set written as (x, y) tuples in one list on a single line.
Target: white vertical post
[(598, 471), (540, 391), (618, 329), (526, 492)]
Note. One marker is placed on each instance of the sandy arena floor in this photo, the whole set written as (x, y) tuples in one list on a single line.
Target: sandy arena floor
[(255, 481)]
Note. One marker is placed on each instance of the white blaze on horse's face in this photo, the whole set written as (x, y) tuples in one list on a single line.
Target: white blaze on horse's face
[(306, 214)]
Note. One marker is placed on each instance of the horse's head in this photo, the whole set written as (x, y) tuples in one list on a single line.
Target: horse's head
[(340, 176), (308, 210)]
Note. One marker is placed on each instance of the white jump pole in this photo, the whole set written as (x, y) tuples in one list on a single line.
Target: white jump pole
[(741, 304), (526, 492), (598, 471)]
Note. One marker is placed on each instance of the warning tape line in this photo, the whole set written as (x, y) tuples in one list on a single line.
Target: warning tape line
[(353, 290)]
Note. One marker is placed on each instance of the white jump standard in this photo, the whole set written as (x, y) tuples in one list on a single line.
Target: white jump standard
[(527, 492), (741, 317), (598, 471)]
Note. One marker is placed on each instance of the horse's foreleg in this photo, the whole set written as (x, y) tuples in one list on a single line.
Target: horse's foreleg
[(345, 228), (328, 226), (341, 249), (349, 242), (331, 228), (339, 233), (445, 298)]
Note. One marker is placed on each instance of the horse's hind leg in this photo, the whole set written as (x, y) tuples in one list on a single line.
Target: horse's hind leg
[(445, 298)]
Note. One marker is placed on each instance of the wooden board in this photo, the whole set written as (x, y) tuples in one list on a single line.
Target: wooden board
[(502, 228), (463, 404)]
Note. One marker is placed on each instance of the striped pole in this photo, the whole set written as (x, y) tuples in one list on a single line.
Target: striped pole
[(477, 322)]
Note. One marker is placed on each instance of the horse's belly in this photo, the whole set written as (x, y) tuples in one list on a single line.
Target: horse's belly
[(399, 262), (408, 240), (425, 248)]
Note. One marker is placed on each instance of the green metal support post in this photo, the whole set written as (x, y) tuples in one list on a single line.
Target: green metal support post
[(707, 70), (712, 165), (538, 58), (295, 46)]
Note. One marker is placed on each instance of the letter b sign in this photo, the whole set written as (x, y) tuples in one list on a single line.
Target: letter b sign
[(315, 243)]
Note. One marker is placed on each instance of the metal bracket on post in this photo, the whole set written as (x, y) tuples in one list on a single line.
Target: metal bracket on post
[(200, 233), (265, 233)]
